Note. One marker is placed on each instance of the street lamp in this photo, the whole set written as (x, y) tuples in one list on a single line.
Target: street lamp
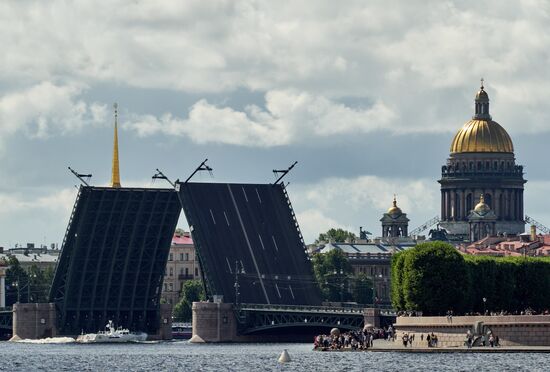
[(374, 289), (30, 276), (484, 305), (16, 285)]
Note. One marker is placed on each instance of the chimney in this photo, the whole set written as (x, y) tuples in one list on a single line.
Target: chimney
[(533, 233)]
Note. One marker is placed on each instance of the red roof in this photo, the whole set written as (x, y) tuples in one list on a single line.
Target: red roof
[(181, 239)]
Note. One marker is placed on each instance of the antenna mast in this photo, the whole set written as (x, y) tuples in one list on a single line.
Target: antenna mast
[(283, 172), (202, 167), (161, 176), (81, 176)]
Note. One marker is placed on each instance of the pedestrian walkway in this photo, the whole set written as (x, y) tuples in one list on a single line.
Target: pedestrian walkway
[(390, 346)]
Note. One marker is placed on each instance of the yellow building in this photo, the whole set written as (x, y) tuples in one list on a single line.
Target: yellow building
[(182, 265)]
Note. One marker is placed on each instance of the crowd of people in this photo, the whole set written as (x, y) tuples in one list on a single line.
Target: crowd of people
[(449, 314), (353, 340), (527, 311), (363, 339)]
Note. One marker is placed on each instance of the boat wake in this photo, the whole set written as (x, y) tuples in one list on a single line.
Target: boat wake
[(48, 340)]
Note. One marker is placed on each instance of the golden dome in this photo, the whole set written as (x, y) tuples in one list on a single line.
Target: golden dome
[(482, 136), (394, 209), (481, 207)]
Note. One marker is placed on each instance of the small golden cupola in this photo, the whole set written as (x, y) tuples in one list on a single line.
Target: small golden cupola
[(482, 207), (394, 210), (395, 223)]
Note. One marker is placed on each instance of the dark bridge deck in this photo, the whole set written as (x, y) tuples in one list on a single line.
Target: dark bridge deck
[(113, 259), (251, 227)]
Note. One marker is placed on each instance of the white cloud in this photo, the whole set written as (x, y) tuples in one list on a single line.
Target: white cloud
[(408, 55), (313, 222), (361, 201), (46, 108), (290, 117), (57, 202)]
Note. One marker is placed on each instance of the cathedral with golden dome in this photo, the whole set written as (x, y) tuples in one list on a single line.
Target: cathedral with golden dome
[(481, 167)]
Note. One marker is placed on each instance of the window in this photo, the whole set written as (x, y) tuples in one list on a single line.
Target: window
[(181, 271), (171, 271), (187, 257), (171, 285), (165, 286), (186, 271), (181, 256), (171, 258), (196, 271)]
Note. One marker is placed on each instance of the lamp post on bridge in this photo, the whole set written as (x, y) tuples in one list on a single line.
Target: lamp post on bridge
[(374, 289), (341, 277)]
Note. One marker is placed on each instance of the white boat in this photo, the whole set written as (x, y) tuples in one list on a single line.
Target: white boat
[(111, 335)]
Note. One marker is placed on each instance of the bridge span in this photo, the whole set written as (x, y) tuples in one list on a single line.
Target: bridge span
[(259, 317), (223, 322)]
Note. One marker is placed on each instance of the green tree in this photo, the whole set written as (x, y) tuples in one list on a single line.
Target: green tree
[(192, 291), (397, 295), (336, 235), (434, 279), (16, 280), (332, 271), (362, 289)]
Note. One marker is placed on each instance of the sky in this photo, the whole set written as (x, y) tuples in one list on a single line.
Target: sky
[(366, 96)]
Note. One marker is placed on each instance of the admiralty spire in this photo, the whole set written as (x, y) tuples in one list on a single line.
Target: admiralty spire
[(115, 176), (482, 165)]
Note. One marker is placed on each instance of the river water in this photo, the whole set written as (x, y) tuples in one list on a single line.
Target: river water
[(182, 356)]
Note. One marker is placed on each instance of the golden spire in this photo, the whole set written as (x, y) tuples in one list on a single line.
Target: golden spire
[(115, 177)]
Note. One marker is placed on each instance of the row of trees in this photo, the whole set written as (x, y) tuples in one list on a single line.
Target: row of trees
[(336, 280), (31, 285), (434, 277)]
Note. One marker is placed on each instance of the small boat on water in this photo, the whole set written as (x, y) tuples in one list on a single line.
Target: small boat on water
[(182, 331), (111, 335)]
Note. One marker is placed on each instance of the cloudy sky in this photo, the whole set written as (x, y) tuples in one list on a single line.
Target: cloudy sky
[(366, 96)]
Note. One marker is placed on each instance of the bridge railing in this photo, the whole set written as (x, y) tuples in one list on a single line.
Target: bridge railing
[(310, 309)]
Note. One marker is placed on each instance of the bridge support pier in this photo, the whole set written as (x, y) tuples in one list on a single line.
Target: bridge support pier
[(214, 322), (372, 316), (34, 320), (165, 326)]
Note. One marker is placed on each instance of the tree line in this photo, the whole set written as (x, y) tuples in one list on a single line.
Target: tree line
[(30, 285), (434, 278)]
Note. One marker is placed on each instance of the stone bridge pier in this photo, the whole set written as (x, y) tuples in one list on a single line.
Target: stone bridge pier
[(34, 320)]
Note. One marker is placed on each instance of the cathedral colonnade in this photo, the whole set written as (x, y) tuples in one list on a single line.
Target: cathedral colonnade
[(507, 203)]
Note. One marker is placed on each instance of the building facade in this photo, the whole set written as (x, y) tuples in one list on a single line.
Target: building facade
[(182, 266), (372, 259), (482, 162)]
